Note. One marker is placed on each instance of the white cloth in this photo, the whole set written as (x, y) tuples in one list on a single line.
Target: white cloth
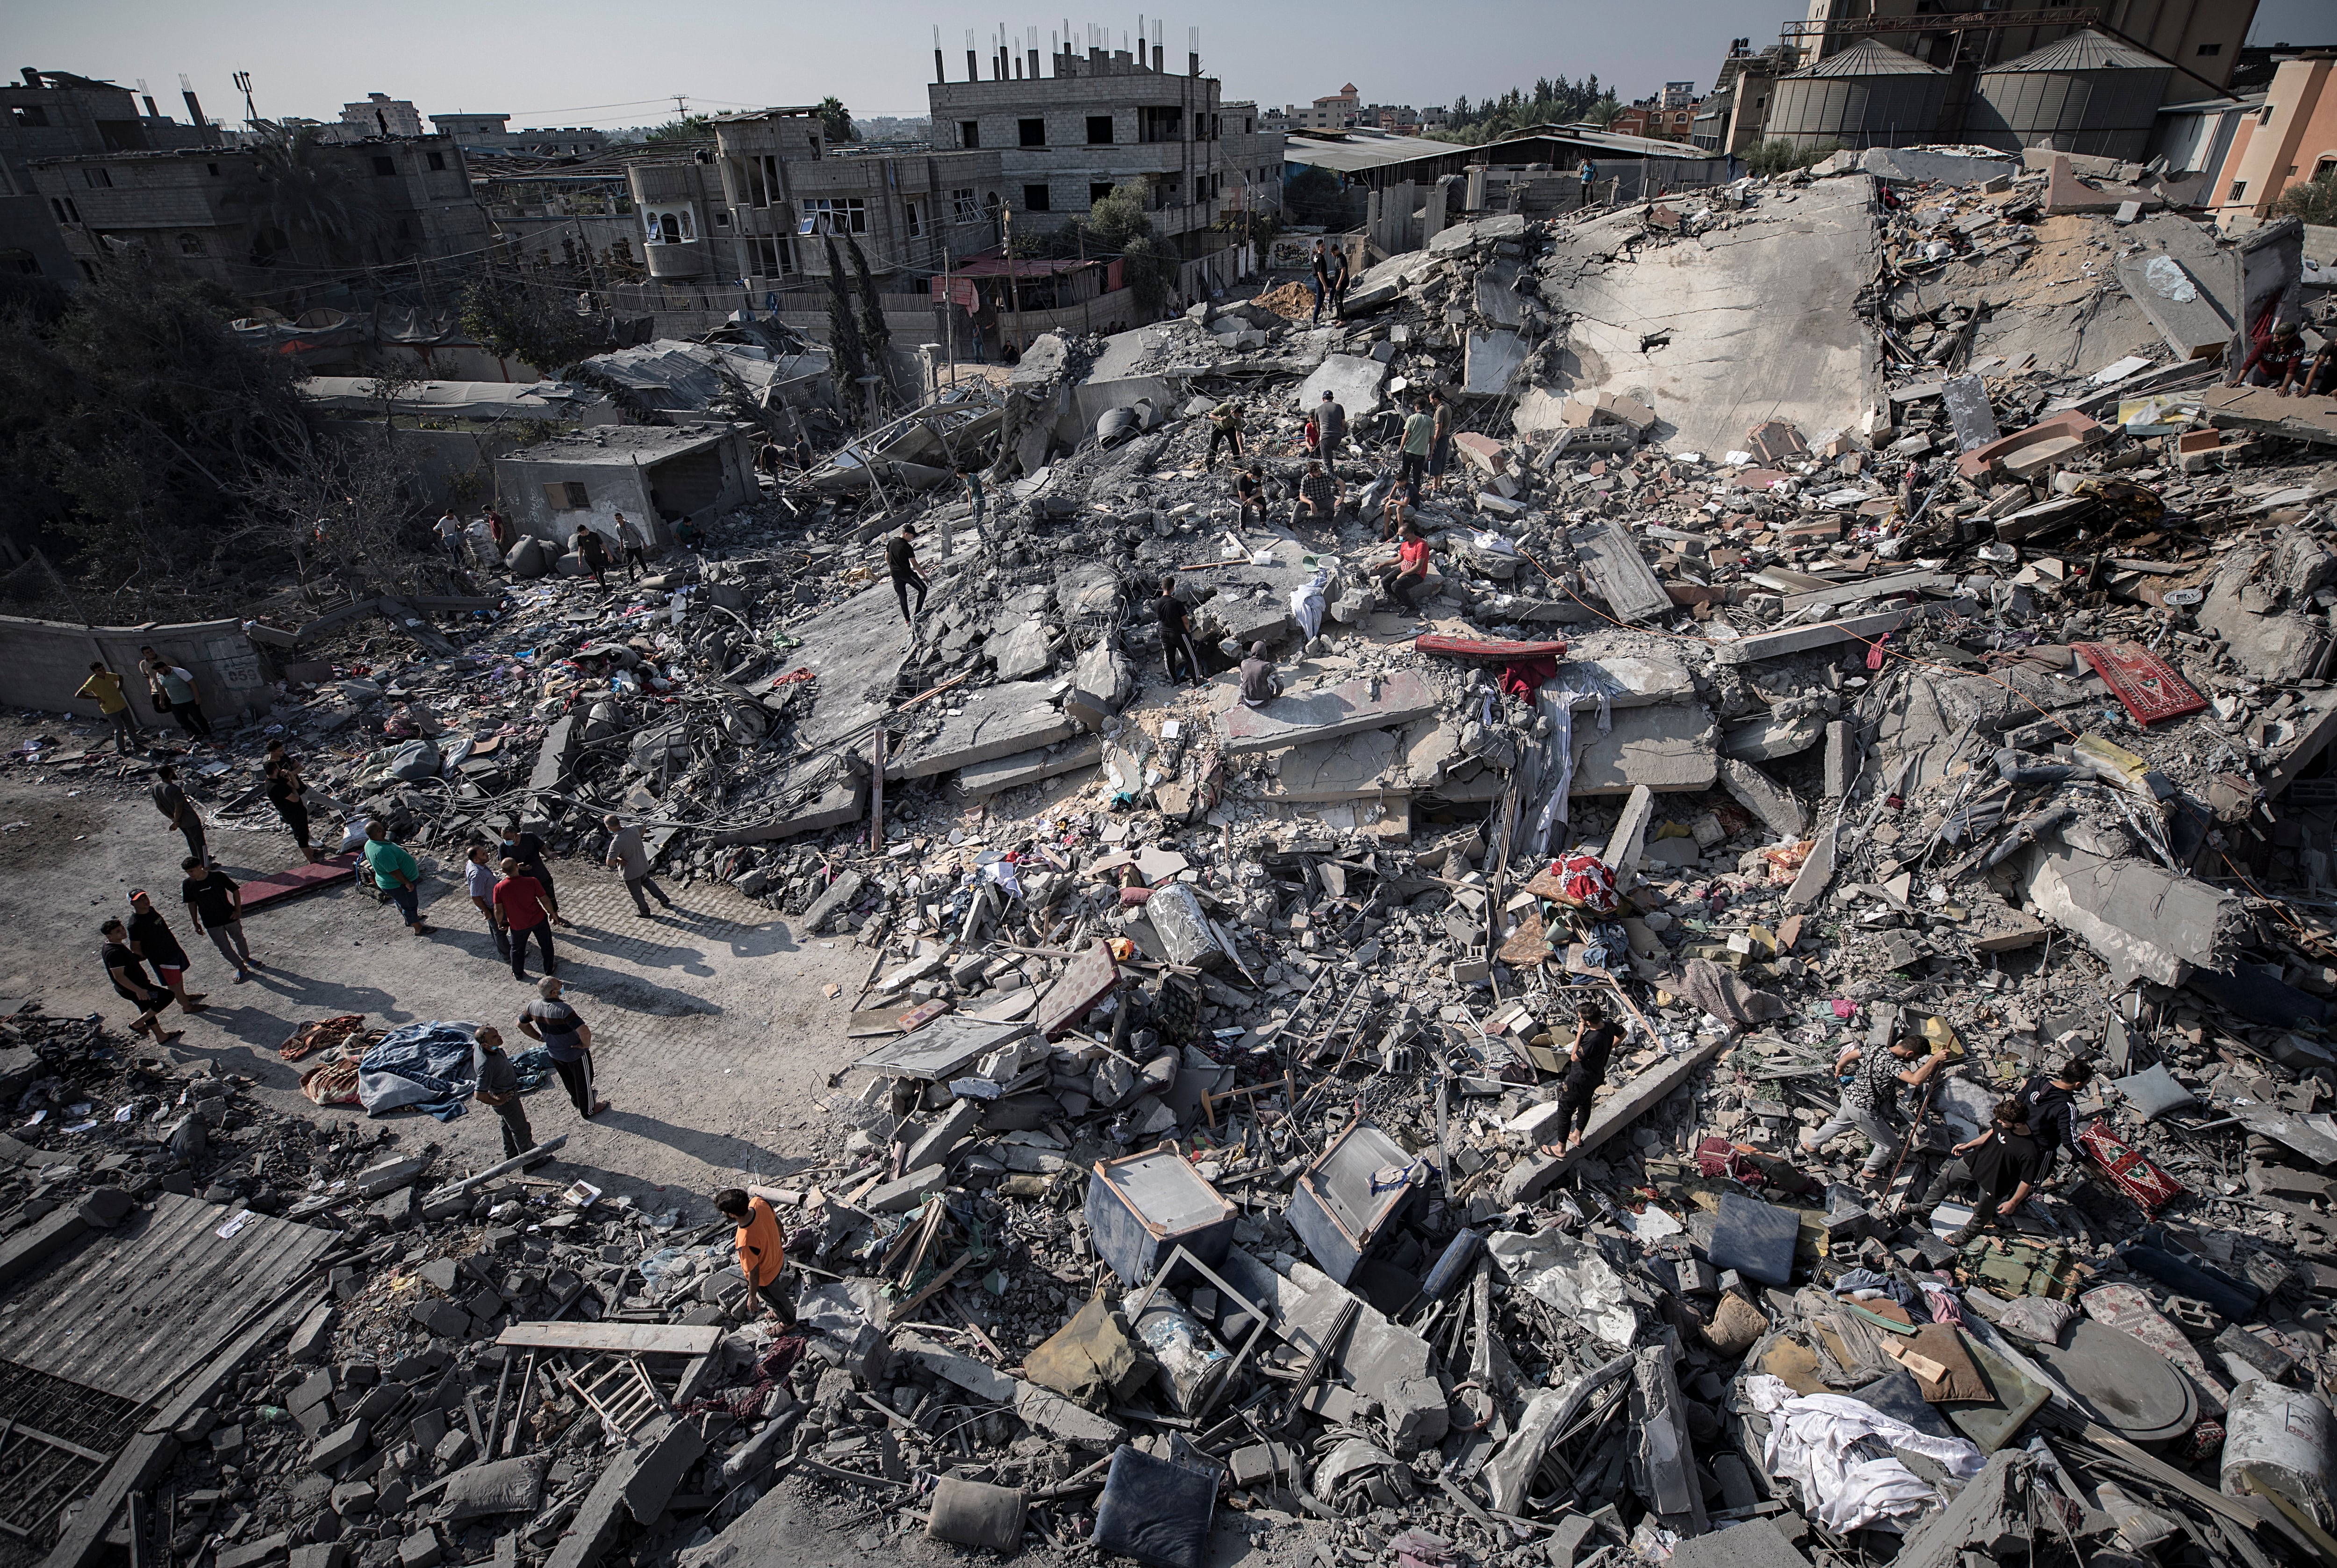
[(1838, 1449)]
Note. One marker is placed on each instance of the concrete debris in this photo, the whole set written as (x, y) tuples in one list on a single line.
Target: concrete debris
[(1923, 685)]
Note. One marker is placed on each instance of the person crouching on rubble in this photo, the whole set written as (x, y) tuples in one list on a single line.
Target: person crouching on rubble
[(1259, 684), (1249, 492), (2006, 1161), (762, 1252), (2277, 362), (1594, 1042), (1870, 1083), (1402, 578), (1320, 494)]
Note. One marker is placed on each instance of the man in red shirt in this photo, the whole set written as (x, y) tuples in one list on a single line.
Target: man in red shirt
[(762, 1254), (521, 911), (1404, 577)]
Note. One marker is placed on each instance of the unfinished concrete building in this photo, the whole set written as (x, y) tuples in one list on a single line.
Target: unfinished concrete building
[(656, 475), (57, 115), (1097, 121), (755, 205), (492, 135), (212, 213)]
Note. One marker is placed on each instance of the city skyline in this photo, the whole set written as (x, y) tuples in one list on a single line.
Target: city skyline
[(876, 58)]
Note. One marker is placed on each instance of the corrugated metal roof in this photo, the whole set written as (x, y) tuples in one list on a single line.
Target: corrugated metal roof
[(136, 1308), (1357, 153), (2084, 51), (1868, 57)]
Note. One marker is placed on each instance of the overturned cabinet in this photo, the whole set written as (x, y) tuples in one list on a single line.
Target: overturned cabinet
[(1351, 1198), (1143, 1208)]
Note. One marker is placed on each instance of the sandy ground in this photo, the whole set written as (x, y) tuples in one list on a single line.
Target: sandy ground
[(714, 1041)]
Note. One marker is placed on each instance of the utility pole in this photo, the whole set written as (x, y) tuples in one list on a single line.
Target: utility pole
[(1014, 294), (1086, 324), (681, 106), (243, 85), (949, 312)]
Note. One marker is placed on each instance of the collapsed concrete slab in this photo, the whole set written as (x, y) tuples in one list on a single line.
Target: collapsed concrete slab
[(1493, 362), (1031, 767), (2144, 921), (2257, 601), (1382, 1359), (1754, 790), (1354, 379), (994, 722), (1325, 713), (1669, 751), (1631, 1100)]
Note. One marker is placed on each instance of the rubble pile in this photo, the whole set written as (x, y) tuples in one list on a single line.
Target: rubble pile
[(1204, 1145)]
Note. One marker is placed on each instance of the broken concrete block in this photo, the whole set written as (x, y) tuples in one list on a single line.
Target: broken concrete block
[(1187, 933), (908, 1193), (1761, 795), (996, 722), (1325, 713), (345, 1443), (1666, 750), (2142, 920), (934, 1145), (1103, 681), (840, 895)]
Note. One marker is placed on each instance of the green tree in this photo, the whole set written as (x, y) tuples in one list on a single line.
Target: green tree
[(305, 198), (2314, 200), (515, 321), (688, 128), (835, 121), (848, 362), (1602, 113)]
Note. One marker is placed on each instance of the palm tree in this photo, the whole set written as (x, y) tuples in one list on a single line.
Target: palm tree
[(304, 194)]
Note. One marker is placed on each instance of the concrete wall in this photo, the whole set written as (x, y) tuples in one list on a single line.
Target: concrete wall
[(614, 487), (43, 662)]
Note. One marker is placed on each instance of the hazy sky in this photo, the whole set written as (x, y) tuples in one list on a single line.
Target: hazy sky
[(597, 62)]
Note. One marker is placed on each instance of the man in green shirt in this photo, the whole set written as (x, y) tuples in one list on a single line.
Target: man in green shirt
[(396, 873), (1419, 440), (105, 686)]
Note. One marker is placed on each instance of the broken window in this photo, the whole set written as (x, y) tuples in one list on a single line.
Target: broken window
[(2239, 188), (1034, 198), (66, 210), (97, 179), (969, 132), (2208, 51), (214, 170), (915, 219), (1160, 124), (1032, 133), (190, 244), (382, 166), (1099, 129), (1098, 189), (834, 215), (566, 495), (964, 208), (437, 160), (30, 116)]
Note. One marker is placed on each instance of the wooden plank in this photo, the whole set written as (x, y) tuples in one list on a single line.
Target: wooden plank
[(1872, 588), (627, 1338), (1618, 572)]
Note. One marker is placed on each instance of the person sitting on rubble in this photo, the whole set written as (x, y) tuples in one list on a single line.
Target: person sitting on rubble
[(762, 1252), (1402, 578), (1870, 1083), (1394, 513), (2052, 1101), (2006, 1161), (1594, 1040), (1225, 428), (688, 536), (1259, 684), (1177, 634), (1321, 494), (593, 550), (2275, 362), (1249, 490)]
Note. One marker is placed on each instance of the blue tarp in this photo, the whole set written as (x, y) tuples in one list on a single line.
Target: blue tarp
[(430, 1066)]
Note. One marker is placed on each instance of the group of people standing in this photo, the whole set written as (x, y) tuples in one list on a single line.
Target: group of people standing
[(169, 689)]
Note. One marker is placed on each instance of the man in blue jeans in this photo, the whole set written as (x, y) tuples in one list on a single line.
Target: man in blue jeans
[(395, 872)]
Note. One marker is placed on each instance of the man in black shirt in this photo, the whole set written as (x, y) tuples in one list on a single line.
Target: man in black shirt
[(285, 789), (215, 902), (1177, 634), (901, 557), (593, 550), (2005, 1162), (172, 801), (1594, 1043), (499, 1091), (528, 850), (1249, 490), (151, 939), (2052, 1101), (131, 984)]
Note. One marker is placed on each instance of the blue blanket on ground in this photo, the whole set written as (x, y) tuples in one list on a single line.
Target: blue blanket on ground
[(432, 1067)]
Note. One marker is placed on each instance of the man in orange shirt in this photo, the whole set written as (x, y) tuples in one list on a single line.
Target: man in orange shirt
[(762, 1255)]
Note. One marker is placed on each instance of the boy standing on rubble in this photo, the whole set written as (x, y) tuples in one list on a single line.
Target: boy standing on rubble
[(762, 1252), (1869, 1096), (901, 560), (1177, 634), (1594, 1043)]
